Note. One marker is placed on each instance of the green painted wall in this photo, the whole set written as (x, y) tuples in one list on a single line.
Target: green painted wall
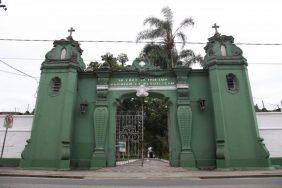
[(203, 139), (83, 132), (222, 134)]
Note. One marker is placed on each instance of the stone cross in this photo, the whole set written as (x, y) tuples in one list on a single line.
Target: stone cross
[(215, 27), (71, 30)]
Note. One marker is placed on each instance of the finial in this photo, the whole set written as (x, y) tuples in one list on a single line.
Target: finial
[(215, 27), (3, 6), (70, 31)]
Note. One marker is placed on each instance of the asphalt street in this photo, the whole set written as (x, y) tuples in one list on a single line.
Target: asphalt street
[(32, 182)]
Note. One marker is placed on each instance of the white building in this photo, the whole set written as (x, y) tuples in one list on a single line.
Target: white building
[(270, 128)]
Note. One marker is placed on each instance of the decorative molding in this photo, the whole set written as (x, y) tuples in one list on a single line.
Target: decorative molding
[(100, 126), (150, 88), (184, 118), (102, 87), (142, 91), (182, 86)]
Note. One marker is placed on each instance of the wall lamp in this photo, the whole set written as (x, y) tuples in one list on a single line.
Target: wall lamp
[(83, 107), (202, 103)]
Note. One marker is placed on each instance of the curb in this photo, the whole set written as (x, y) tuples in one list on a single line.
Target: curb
[(242, 176), (93, 177), (42, 176)]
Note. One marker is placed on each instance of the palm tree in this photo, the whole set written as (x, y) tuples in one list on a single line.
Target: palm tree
[(156, 54), (163, 30), (188, 57)]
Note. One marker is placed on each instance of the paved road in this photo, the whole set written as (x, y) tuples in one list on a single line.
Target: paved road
[(154, 173), (21, 182)]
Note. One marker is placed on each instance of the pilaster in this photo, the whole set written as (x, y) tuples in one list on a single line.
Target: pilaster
[(101, 120), (184, 118)]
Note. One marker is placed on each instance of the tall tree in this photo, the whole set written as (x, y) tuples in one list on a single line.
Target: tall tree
[(111, 60), (122, 58), (162, 29)]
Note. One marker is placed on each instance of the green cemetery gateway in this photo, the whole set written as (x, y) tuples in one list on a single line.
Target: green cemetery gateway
[(211, 119)]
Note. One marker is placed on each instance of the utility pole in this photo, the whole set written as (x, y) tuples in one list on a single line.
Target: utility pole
[(3, 6), (142, 144)]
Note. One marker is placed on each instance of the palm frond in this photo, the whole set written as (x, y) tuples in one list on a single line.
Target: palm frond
[(153, 21), (193, 60), (186, 22), (150, 34), (167, 14), (185, 54), (182, 37), (152, 46)]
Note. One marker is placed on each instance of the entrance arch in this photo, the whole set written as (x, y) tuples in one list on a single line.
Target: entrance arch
[(113, 87), (173, 134)]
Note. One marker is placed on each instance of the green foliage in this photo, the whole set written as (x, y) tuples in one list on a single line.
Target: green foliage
[(155, 123), (122, 58), (93, 66), (156, 54), (165, 54), (162, 29), (110, 60), (187, 57)]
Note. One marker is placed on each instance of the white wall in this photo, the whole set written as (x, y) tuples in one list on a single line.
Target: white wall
[(270, 128), (16, 136)]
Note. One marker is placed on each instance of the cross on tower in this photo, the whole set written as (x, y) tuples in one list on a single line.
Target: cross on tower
[(3, 6), (71, 30), (215, 27)]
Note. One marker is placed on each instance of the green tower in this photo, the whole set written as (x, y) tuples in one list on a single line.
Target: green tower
[(50, 142), (237, 139)]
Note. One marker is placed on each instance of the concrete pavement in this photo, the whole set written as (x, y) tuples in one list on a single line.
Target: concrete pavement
[(152, 169)]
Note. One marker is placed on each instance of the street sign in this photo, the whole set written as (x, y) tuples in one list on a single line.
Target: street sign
[(8, 121)]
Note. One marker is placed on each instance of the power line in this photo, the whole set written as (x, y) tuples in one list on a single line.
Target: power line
[(38, 59), (18, 70), (134, 42), (8, 72)]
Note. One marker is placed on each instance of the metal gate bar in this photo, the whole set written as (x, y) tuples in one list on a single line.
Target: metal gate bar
[(129, 130)]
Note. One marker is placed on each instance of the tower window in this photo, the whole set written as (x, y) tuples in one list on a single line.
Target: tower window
[(223, 50), (231, 82), (63, 53), (56, 85)]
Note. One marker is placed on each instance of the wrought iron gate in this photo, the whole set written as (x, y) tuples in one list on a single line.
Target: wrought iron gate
[(129, 137)]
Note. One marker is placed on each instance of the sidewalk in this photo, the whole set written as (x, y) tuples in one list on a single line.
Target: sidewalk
[(151, 170)]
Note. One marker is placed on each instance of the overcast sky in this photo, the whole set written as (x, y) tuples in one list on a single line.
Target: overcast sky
[(247, 21)]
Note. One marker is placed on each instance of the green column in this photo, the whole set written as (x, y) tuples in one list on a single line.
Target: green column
[(100, 116), (184, 118), (101, 120)]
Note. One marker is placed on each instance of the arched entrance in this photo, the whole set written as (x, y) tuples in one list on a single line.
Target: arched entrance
[(142, 129), (143, 80), (173, 133)]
